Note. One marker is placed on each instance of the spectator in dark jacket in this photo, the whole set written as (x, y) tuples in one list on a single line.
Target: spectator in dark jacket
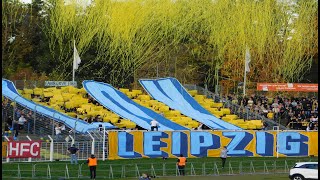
[(73, 153)]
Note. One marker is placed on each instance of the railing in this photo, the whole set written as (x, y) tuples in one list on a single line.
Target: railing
[(298, 125), (157, 169), (28, 84), (242, 112)]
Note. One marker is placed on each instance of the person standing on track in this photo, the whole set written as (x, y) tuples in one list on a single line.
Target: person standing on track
[(223, 155), (181, 164), (92, 163), (73, 151)]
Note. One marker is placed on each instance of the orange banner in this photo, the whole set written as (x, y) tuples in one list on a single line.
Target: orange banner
[(298, 87)]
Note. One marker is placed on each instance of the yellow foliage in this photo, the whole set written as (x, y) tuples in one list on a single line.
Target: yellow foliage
[(129, 34)]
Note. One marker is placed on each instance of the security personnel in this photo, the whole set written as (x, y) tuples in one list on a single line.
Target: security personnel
[(92, 163), (181, 164)]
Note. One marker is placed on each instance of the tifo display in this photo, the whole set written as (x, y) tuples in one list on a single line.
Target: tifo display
[(208, 144)]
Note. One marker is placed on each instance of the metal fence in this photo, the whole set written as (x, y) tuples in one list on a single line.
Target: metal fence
[(28, 84), (156, 169), (58, 151)]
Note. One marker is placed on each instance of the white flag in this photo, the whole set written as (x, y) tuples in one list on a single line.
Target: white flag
[(76, 58), (247, 60)]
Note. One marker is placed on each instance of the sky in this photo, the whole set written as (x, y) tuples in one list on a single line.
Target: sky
[(26, 1)]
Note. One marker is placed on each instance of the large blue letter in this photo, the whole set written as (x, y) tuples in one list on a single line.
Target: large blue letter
[(238, 143), (179, 144), (264, 143), (292, 144), (202, 141), (152, 144), (125, 146)]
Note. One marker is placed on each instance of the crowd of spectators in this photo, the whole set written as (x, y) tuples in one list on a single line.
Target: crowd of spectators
[(295, 112), (18, 119)]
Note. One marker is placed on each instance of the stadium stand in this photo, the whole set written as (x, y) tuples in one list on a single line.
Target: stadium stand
[(170, 91), (294, 112), (75, 102), (121, 104), (216, 108), (37, 97), (160, 108), (175, 115)]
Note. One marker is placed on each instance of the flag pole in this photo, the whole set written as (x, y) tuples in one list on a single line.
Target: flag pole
[(244, 80), (246, 69), (73, 70)]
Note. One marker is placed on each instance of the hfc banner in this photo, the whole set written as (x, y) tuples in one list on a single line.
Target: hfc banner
[(192, 144), (24, 149)]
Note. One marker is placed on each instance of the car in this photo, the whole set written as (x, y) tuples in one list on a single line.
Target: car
[(304, 171)]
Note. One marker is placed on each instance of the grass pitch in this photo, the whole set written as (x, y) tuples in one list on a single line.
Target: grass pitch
[(237, 168)]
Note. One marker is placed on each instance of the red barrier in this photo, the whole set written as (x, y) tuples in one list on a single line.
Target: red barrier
[(24, 149), (297, 87)]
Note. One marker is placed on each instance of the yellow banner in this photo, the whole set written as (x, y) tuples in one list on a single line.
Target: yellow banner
[(4, 149)]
